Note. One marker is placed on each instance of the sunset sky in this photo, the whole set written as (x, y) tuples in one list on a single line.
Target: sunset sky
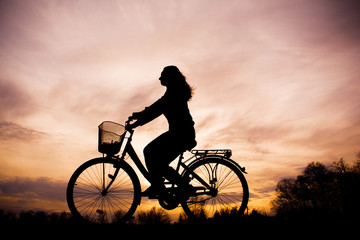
[(278, 82)]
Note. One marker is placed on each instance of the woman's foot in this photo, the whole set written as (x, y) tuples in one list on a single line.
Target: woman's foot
[(153, 192)]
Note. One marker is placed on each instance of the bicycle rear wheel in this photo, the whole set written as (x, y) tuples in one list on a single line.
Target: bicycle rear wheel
[(87, 199), (232, 193)]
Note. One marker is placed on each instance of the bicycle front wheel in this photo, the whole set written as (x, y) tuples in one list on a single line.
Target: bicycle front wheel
[(231, 189), (88, 200)]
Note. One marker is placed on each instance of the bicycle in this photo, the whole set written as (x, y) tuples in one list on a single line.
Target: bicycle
[(107, 189)]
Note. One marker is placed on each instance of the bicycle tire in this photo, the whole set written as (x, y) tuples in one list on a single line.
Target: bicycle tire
[(84, 192), (232, 189)]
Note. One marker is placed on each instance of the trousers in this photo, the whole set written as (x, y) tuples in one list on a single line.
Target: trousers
[(160, 152)]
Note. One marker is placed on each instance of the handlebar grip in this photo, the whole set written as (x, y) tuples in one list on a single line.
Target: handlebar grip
[(131, 118)]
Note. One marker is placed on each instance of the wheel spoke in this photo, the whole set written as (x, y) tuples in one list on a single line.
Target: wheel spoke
[(231, 186), (89, 201)]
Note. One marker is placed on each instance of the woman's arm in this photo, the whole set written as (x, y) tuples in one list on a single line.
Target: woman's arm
[(149, 113)]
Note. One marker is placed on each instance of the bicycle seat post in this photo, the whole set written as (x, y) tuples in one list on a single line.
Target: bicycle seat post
[(181, 157)]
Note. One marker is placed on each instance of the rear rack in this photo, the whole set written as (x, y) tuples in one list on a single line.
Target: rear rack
[(222, 152)]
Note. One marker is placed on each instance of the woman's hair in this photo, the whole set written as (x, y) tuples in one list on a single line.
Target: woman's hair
[(178, 80)]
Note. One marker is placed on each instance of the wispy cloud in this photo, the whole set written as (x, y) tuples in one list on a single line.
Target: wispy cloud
[(26, 193), (10, 131)]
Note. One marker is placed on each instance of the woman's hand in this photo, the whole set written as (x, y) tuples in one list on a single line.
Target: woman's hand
[(135, 116), (128, 125)]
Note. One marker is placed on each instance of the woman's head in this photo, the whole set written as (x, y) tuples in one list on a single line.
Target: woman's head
[(171, 77)]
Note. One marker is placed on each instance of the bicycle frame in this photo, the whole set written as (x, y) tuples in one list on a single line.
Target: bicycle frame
[(130, 150)]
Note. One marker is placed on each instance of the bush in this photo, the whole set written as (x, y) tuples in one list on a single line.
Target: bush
[(154, 216)]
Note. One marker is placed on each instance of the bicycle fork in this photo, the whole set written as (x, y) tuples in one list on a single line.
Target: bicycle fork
[(112, 177)]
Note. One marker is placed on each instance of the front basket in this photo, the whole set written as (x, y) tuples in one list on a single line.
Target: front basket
[(111, 136)]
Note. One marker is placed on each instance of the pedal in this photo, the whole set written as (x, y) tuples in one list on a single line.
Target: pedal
[(110, 176)]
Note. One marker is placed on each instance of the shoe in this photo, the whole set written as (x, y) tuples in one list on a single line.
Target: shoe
[(153, 192), (149, 192)]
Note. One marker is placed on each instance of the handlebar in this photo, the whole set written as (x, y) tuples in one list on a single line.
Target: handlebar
[(127, 123)]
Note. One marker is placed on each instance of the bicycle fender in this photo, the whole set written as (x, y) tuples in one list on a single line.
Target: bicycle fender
[(242, 169)]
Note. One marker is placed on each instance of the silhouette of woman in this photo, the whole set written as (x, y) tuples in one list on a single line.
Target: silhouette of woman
[(181, 134)]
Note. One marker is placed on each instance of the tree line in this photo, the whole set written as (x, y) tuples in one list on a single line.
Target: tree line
[(320, 192), (153, 216)]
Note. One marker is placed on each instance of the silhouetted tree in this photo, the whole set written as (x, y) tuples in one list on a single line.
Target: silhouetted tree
[(320, 192), (7, 217)]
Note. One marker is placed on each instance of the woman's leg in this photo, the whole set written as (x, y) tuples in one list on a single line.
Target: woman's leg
[(158, 155)]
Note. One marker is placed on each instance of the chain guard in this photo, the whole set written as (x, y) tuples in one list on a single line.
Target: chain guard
[(169, 202)]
